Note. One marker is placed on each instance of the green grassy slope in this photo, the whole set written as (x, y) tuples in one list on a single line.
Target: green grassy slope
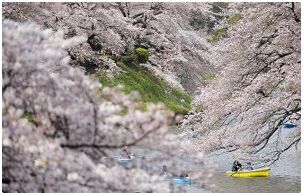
[(151, 88)]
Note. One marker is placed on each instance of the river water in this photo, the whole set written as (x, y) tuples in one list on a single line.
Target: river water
[(285, 176)]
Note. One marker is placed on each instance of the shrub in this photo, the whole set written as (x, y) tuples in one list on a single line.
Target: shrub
[(217, 35), (142, 55), (128, 59), (207, 75), (234, 19), (30, 117)]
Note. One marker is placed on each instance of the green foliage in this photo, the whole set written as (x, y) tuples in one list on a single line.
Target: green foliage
[(198, 107), (105, 80), (217, 35), (221, 33), (89, 65), (128, 58), (207, 75), (234, 19), (123, 112), (151, 88), (30, 117), (142, 55)]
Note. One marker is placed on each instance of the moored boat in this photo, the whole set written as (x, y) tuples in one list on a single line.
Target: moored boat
[(262, 172)]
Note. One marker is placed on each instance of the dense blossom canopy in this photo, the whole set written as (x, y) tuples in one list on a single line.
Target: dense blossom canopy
[(258, 89), (175, 47), (69, 142), (63, 132)]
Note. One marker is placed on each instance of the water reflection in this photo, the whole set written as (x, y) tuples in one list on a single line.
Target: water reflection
[(285, 174), (272, 184)]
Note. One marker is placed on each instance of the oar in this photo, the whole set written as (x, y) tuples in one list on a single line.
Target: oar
[(142, 156), (111, 157), (237, 171), (138, 156)]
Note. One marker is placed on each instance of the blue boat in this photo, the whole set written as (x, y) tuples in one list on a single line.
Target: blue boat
[(289, 125), (179, 180), (126, 160)]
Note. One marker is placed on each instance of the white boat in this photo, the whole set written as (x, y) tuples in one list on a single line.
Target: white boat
[(125, 159)]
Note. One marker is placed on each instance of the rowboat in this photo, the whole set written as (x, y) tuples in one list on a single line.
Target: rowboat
[(125, 160), (289, 125), (262, 172), (179, 180)]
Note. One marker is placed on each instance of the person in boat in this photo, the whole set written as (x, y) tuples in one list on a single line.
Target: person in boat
[(164, 171), (236, 166), (248, 166), (126, 152), (184, 175)]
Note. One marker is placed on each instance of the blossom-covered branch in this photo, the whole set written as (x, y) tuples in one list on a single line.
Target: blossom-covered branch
[(58, 124), (258, 89)]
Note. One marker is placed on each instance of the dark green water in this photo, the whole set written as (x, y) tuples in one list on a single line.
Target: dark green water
[(285, 175), (271, 184)]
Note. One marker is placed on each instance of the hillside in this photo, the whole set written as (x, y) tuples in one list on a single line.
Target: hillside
[(175, 34)]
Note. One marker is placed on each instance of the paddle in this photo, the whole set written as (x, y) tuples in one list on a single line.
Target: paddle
[(235, 172), (111, 157), (116, 156), (139, 156)]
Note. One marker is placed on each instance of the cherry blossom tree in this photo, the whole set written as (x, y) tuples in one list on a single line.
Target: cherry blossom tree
[(258, 89), (176, 48), (61, 131)]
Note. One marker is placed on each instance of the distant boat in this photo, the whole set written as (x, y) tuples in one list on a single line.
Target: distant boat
[(126, 160), (289, 125), (262, 172), (179, 180)]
